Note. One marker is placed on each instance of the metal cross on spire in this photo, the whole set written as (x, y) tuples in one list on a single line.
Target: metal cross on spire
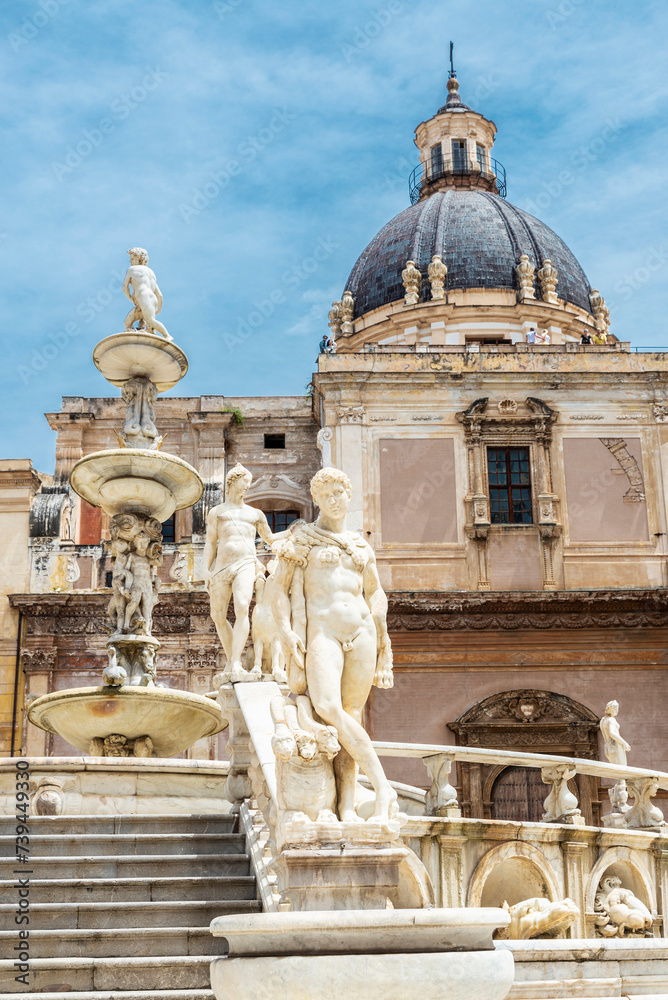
[(453, 75)]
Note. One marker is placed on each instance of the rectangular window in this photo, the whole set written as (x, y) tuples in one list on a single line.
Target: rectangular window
[(509, 485), (480, 155), (459, 155), (278, 520), (168, 534), (274, 440), (436, 162)]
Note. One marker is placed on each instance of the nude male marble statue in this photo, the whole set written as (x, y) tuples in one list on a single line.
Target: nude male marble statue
[(330, 611), (141, 287), (231, 566)]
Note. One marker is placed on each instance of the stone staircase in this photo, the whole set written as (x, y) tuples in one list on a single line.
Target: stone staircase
[(121, 905)]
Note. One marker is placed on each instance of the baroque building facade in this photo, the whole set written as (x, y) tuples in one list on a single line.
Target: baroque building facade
[(514, 492)]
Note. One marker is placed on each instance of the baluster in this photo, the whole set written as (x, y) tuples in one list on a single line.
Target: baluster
[(561, 806), (642, 814), (441, 797)]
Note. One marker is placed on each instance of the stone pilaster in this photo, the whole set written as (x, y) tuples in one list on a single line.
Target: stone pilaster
[(451, 872), (575, 856)]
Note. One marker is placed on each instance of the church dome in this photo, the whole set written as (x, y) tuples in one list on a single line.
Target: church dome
[(480, 237)]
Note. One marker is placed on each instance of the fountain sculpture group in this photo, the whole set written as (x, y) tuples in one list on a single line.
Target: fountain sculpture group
[(139, 487)]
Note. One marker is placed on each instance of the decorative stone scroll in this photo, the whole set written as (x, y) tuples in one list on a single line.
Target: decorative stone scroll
[(600, 311)]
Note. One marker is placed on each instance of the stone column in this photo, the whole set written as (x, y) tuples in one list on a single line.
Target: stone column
[(574, 852)]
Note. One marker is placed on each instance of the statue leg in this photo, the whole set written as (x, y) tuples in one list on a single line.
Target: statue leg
[(339, 691), (242, 592), (219, 595), (132, 317)]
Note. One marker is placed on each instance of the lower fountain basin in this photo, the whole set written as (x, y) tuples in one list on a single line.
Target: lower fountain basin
[(133, 480), (174, 720)]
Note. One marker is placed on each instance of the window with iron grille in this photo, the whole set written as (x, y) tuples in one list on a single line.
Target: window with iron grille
[(509, 485), (480, 155), (436, 161)]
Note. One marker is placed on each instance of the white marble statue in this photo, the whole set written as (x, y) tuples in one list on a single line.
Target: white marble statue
[(619, 912), (141, 287), (267, 649), (615, 747), (231, 566), (327, 588), (538, 917)]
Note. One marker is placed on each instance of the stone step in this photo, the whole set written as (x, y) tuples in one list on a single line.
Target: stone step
[(124, 823), (125, 843), (93, 916), (127, 995), (59, 975), (124, 995), (117, 942), (122, 890), (131, 866)]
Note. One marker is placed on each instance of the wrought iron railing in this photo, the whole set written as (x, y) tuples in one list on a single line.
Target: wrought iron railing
[(450, 166)]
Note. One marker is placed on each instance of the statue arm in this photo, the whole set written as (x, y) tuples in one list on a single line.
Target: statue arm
[(211, 544), (377, 600), (158, 295), (281, 609), (126, 286)]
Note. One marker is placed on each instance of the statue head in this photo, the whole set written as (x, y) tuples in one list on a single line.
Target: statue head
[(138, 256), (612, 708), (237, 482), (329, 487)]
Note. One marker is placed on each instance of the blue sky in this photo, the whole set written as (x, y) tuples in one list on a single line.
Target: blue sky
[(233, 138)]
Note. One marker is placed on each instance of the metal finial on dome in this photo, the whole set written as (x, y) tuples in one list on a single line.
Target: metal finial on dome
[(454, 101)]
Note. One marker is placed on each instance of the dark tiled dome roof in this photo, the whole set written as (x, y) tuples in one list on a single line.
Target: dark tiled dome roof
[(480, 237)]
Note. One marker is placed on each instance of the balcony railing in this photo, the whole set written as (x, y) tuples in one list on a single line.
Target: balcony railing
[(445, 167)]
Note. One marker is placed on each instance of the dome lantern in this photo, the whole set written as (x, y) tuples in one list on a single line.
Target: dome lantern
[(455, 150)]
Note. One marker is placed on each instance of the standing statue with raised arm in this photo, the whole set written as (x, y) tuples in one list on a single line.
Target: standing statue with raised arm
[(141, 287), (331, 611), (231, 567)]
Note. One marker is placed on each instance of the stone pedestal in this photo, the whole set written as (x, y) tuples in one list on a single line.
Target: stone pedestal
[(389, 955), (342, 879)]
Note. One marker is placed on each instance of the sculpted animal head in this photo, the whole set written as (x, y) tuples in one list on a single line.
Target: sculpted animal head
[(284, 747), (328, 741)]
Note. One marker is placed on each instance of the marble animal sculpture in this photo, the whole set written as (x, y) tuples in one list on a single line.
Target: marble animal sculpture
[(538, 917), (267, 649), (231, 566), (304, 749), (327, 588), (141, 287), (619, 911)]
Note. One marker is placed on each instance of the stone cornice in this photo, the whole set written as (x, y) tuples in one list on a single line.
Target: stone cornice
[(413, 611)]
